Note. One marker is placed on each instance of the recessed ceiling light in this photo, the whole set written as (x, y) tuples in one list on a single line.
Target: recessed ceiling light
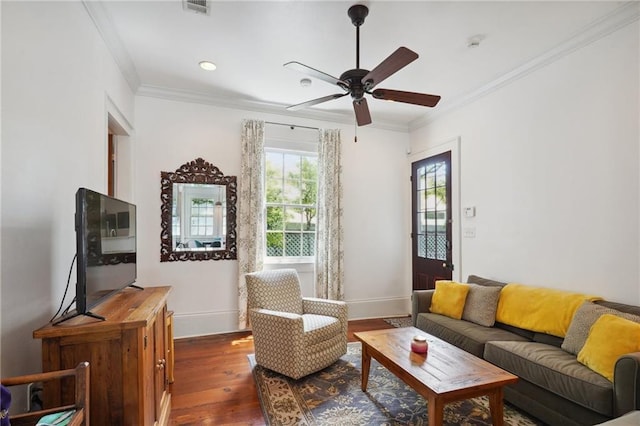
[(208, 66), (305, 82)]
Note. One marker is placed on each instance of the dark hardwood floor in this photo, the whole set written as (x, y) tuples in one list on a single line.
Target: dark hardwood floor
[(213, 382)]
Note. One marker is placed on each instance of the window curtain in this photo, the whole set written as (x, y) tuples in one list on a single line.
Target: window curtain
[(250, 240), (329, 234)]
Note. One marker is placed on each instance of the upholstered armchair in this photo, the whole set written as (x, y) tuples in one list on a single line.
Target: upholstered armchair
[(292, 335)]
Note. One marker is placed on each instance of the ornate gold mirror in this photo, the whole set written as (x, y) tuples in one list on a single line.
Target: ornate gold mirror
[(198, 213)]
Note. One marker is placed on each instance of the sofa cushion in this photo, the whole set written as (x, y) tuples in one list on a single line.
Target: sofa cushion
[(463, 334), (527, 334), (547, 339), (449, 299), (629, 309), (474, 279), (544, 310), (481, 304), (553, 369), (610, 337), (584, 318)]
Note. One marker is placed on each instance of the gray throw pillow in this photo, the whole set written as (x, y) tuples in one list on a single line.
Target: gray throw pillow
[(481, 304), (587, 314)]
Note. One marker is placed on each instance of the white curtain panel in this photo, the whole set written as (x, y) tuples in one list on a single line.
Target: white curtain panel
[(250, 219), (329, 234)]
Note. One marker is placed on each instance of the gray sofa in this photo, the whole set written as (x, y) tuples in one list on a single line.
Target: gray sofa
[(554, 387)]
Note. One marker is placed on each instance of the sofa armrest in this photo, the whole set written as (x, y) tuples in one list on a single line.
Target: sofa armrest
[(626, 384), (420, 302)]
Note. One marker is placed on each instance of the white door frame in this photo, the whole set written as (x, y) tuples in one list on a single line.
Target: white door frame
[(452, 145)]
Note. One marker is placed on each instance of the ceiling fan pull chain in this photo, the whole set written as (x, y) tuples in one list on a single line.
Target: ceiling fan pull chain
[(355, 127)]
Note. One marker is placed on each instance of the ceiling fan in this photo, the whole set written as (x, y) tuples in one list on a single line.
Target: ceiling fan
[(358, 82)]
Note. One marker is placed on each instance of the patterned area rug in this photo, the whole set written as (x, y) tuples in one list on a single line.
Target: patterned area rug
[(333, 397), (399, 321)]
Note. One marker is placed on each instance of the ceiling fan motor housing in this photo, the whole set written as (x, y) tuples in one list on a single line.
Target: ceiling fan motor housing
[(354, 79)]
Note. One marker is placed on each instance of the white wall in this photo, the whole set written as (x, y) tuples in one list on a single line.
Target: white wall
[(551, 164), (204, 297), (56, 77)]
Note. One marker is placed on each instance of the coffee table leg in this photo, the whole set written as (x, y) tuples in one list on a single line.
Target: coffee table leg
[(435, 407), (496, 406), (366, 363)]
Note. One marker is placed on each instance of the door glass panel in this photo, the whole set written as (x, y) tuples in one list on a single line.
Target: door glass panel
[(422, 245), (432, 211), (421, 179)]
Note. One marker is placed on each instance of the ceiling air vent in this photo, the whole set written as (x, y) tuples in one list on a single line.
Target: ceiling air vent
[(197, 6)]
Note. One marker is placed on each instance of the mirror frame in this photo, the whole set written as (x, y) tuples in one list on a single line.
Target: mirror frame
[(196, 171)]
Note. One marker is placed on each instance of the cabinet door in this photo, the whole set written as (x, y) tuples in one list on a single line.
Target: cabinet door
[(160, 351)]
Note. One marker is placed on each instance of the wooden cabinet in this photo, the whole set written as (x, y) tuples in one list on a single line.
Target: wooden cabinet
[(127, 354)]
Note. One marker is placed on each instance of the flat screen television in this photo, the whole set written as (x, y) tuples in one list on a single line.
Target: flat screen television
[(105, 246)]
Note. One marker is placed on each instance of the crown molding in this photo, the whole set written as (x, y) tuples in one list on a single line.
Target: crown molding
[(102, 22), (258, 106), (622, 16)]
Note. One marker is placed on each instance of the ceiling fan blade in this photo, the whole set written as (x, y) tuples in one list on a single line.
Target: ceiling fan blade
[(297, 66), (363, 117), (406, 97), (316, 101), (394, 62)]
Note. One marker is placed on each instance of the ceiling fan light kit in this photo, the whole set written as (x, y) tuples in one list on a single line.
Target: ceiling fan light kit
[(357, 82)]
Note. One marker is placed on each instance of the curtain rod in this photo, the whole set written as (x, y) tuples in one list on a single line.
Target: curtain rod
[(291, 125)]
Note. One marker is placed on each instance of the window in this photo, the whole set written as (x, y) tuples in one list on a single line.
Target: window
[(202, 217), (291, 188)]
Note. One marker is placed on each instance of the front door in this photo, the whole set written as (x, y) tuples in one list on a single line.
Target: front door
[(431, 223)]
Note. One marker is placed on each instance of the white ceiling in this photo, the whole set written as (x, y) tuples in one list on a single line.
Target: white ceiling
[(159, 44)]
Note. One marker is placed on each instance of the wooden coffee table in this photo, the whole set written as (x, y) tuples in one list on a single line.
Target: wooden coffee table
[(445, 374)]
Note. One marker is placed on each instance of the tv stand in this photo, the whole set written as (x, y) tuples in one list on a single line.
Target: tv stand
[(128, 358), (74, 314)]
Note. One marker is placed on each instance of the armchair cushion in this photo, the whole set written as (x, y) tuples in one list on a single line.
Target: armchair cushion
[(318, 328)]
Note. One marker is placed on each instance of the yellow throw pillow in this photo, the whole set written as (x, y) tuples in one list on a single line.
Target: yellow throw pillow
[(449, 298), (610, 337), (539, 309)]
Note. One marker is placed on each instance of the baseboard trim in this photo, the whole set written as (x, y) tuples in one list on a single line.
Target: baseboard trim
[(379, 308), (196, 324)]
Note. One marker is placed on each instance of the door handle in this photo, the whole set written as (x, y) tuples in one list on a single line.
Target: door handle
[(447, 265)]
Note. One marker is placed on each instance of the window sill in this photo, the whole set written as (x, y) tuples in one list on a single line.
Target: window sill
[(289, 260), (301, 264)]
